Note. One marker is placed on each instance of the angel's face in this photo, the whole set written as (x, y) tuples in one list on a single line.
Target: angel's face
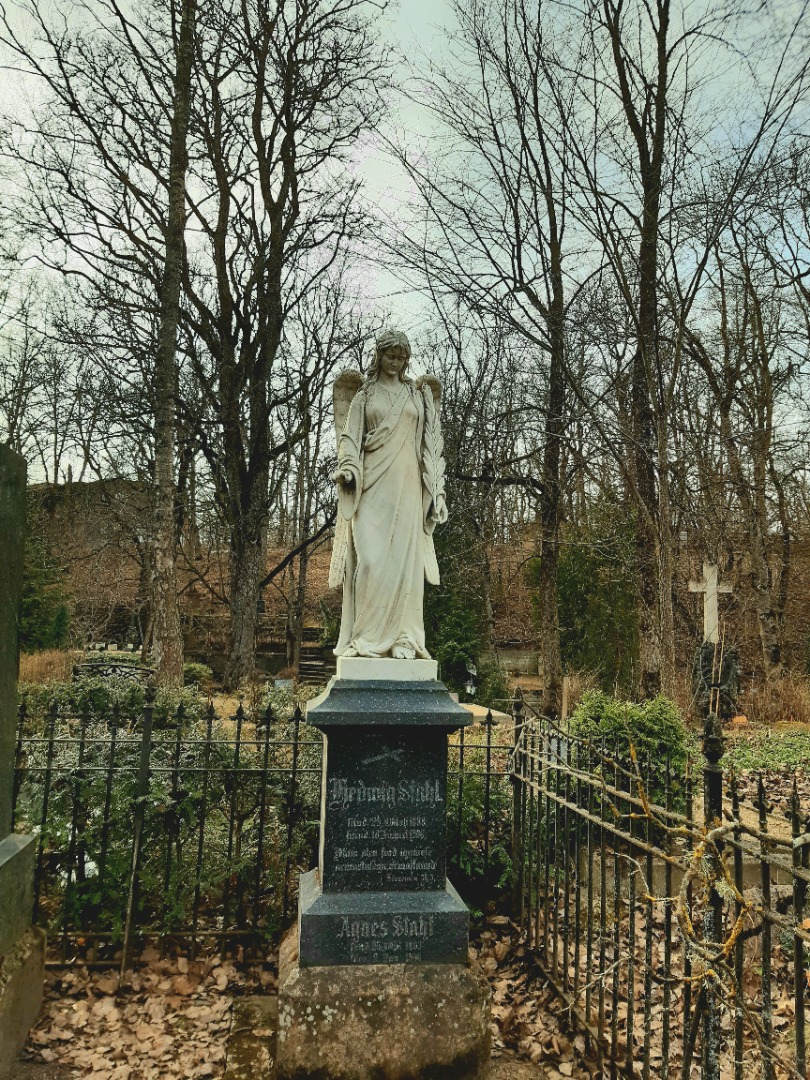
[(392, 362)]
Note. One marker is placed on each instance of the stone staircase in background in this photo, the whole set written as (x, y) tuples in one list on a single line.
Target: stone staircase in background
[(317, 665)]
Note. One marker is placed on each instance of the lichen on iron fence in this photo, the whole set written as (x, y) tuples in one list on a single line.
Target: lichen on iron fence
[(676, 931)]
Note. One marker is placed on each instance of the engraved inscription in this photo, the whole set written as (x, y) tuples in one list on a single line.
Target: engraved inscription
[(395, 845), (344, 793), (384, 813), (385, 940)]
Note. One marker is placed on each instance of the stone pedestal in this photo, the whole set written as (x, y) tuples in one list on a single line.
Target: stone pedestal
[(380, 953), (381, 1021), (21, 949)]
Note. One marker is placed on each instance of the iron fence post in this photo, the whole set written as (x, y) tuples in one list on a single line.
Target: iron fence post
[(488, 721), (292, 794), (22, 715), (517, 807), (144, 769), (799, 830), (713, 747)]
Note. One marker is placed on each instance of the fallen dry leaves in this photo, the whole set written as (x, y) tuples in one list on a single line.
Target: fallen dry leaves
[(168, 1020), (528, 1020)]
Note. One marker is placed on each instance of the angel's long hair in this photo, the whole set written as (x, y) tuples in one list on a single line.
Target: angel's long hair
[(390, 339)]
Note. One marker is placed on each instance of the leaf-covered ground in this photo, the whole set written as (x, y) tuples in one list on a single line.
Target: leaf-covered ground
[(170, 1018), (528, 1022)]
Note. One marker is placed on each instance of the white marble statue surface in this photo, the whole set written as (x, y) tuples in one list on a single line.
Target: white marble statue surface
[(391, 496)]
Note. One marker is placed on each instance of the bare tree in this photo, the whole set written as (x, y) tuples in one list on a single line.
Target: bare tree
[(286, 91), (281, 93), (167, 639), (751, 356), (496, 239), (647, 153)]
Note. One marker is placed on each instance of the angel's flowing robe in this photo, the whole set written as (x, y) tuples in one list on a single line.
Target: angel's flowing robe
[(383, 550)]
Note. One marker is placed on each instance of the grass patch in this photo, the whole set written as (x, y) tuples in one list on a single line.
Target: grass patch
[(48, 665), (770, 750)]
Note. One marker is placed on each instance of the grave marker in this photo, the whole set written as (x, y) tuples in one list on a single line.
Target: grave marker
[(710, 587), (375, 981), (379, 924), (21, 947)]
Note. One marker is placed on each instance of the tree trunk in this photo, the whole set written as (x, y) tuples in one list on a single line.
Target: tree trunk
[(770, 628), (648, 129), (247, 564), (549, 660), (167, 642), (666, 566), (754, 505), (648, 539)]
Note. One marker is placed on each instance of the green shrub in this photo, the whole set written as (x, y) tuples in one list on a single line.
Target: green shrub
[(655, 729), (456, 644), (330, 618), (198, 804), (478, 880), (493, 686), (596, 597), (99, 696), (197, 675)]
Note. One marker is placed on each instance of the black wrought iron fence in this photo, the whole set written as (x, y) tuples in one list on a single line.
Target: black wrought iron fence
[(197, 830), (669, 915), (675, 929)]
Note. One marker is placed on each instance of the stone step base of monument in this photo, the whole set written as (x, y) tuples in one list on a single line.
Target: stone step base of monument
[(380, 927), (22, 975), (397, 1021)]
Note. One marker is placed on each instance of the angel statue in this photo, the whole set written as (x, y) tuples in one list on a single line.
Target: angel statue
[(390, 479)]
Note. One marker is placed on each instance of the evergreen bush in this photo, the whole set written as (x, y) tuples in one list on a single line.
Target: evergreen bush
[(99, 696), (197, 675), (596, 598), (493, 685), (655, 728)]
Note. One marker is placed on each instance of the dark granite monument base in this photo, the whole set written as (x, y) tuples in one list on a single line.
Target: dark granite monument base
[(379, 1021), (381, 927), (22, 974)]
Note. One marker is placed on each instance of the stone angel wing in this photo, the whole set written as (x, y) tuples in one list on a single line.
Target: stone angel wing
[(435, 388), (433, 451), (433, 470), (344, 388)]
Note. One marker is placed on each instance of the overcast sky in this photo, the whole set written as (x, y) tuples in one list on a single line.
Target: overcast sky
[(417, 29), (413, 28)]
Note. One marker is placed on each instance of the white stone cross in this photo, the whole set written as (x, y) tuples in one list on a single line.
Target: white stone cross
[(710, 587)]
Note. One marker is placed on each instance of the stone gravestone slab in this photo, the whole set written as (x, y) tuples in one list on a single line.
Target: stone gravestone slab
[(21, 948), (382, 937), (381, 894)]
